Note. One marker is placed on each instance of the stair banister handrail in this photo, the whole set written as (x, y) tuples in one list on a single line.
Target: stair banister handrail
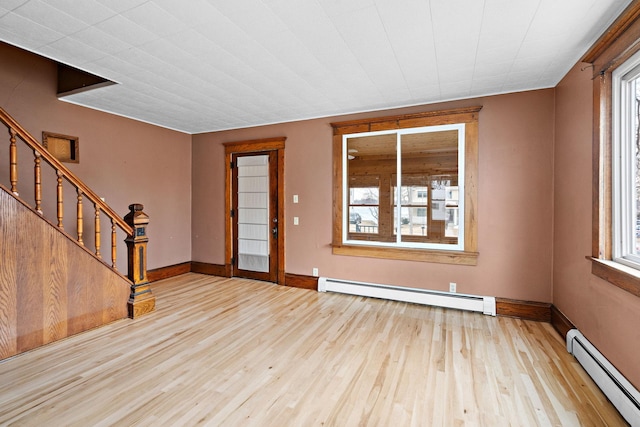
[(66, 173), (141, 299)]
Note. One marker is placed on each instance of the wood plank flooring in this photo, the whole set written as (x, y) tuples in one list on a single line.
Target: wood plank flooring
[(234, 352)]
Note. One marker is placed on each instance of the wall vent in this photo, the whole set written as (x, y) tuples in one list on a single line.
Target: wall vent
[(618, 390), (485, 305)]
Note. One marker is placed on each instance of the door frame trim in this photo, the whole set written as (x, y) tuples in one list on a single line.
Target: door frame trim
[(247, 146)]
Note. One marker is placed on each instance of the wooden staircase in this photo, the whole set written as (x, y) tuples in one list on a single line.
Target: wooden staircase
[(55, 282)]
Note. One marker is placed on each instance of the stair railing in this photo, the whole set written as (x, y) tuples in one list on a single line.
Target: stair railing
[(141, 299)]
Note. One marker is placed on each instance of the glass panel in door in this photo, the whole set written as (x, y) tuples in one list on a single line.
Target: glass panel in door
[(253, 213)]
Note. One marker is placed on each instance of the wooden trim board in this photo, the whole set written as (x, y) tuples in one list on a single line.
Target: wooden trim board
[(210, 269), (301, 281), (528, 310), (168, 271), (560, 322)]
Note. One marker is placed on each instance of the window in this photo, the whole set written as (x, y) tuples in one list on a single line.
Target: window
[(615, 252), (626, 179), (405, 187), (364, 205), (420, 161)]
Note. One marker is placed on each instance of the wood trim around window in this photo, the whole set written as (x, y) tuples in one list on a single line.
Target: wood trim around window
[(624, 277), (468, 116), (617, 44)]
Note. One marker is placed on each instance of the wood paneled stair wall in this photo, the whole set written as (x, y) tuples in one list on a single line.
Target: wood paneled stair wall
[(52, 284)]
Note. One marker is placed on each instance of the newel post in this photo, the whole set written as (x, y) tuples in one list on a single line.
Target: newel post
[(141, 300)]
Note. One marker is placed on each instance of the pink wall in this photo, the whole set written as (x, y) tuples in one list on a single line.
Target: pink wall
[(605, 314), (122, 160), (515, 202)]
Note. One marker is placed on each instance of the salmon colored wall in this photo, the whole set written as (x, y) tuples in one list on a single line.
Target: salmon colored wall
[(515, 202), (122, 160), (605, 314)]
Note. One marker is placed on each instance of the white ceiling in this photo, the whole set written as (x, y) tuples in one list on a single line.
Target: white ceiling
[(206, 65)]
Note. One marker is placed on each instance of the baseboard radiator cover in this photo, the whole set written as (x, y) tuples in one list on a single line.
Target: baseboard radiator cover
[(485, 305), (624, 396)]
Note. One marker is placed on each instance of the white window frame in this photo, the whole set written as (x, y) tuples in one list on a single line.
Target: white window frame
[(459, 246), (623, 163)]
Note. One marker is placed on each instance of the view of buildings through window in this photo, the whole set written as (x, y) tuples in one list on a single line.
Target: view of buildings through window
[(424, 162)]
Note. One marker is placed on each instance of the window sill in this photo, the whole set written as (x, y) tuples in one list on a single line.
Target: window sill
[(620, 275), (423, 255)]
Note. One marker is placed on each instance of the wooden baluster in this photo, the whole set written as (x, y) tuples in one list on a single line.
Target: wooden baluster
[(60, 201), (37, 179), (13, 162), (113, 244), (80, 219), (97, 231)]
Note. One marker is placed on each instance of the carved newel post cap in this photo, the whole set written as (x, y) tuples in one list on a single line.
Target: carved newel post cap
[(136, 216)]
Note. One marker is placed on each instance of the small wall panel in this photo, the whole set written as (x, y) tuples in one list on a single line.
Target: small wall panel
[(31, 252), (8, 277), (55, 300), (50, 288)]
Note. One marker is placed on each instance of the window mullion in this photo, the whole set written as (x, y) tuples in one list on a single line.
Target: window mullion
[(345, 190), (626, 170), (398, 216), (632, 165), (625, 215)]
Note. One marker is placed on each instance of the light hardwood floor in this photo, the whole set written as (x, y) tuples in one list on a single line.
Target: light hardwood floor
[(237, 352)]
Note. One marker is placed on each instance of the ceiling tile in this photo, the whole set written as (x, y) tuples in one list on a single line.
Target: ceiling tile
[(120, 6), (71, 51), (339, 7), (113, 68), (12, 4), (155, 19), (126, 30), (13, 28), (88, 11), (102, 40), (50, 17), (197, 13)]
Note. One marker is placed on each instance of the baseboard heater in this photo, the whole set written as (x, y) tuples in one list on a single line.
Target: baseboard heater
[(619, 391), (485, 305)]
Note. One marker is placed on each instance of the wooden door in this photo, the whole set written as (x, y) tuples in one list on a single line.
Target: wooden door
[(274, 149)]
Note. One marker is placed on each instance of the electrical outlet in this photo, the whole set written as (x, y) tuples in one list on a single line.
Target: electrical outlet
[(452, 287), (315, 272)]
